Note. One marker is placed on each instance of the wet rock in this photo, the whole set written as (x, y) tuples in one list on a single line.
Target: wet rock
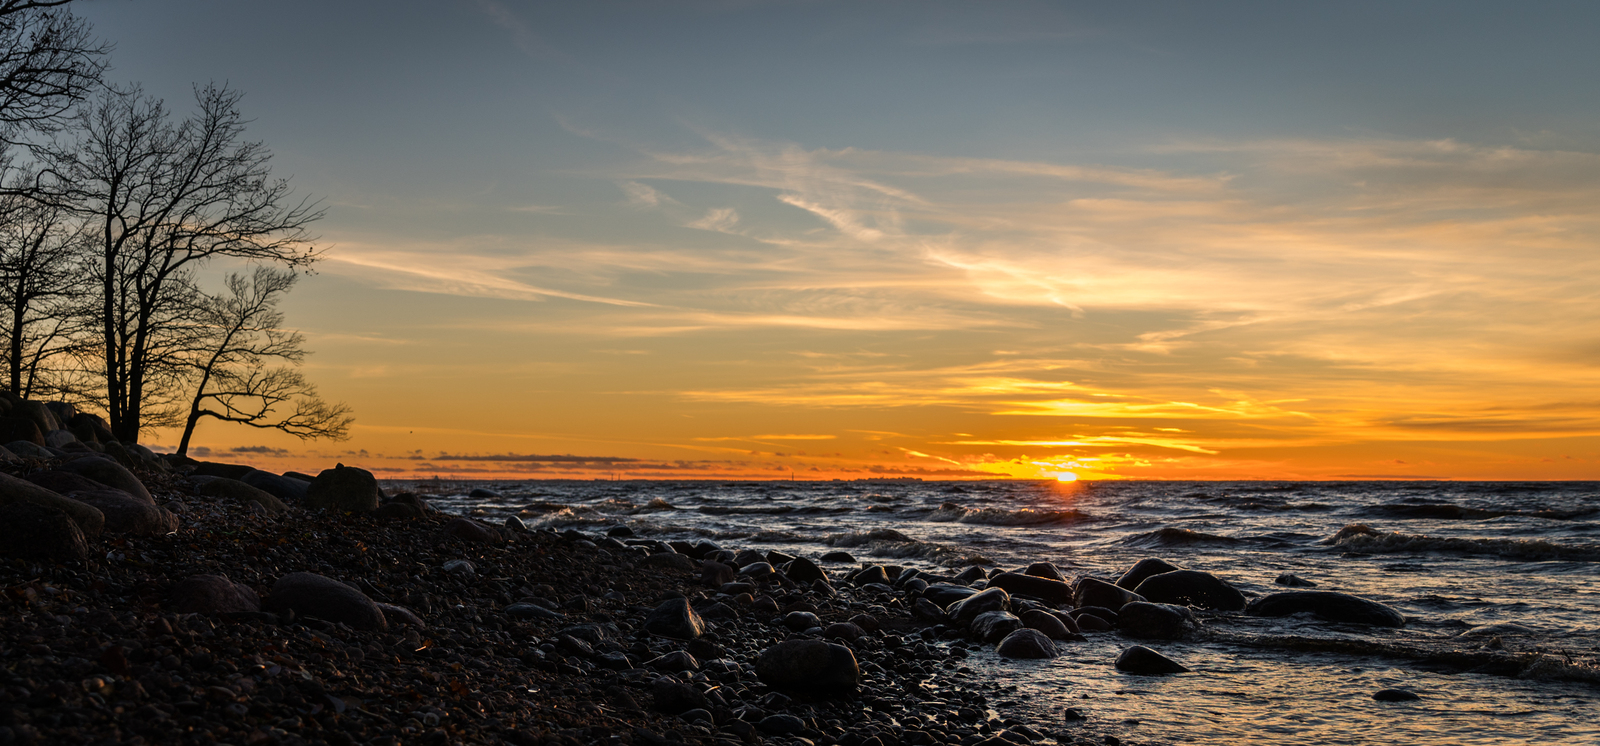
[(1096, 592), (802, 570), (483, 493), (287, 489), (1050, 591), (1092, 623), (1395, 695), (1048, 624), (619, 532), (945, 594), (780, 725), (1293, 581), (1191, 588), (846, 631), (671, 561), (800, 621), (673, 697), (964, 611), (838, 557), (928, 612), (33, 531), (235, 491), (108, 473), (15, 490), (1142, 660), (513, 523), (343, 488), (673, 662), (1327, 605), (126, 514), (994, 625), (1143, 569), (1045, 570), (714, 574), (757, 570), (472, 531), (971, 575), (809, 666), (1152, 621), (212, 594), (873, 574), (675, 618), (1026, 643), (309, 594)]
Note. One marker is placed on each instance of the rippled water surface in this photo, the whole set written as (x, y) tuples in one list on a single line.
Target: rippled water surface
[(1498, 582)]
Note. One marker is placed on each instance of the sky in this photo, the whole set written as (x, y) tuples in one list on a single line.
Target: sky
[(945, 240)]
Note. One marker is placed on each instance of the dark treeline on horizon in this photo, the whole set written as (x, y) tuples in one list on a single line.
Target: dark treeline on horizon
[(110, 206)]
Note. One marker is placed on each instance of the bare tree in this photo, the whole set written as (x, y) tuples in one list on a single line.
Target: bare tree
[(42, 289), (233, 382), (163, 199), (48, 63)]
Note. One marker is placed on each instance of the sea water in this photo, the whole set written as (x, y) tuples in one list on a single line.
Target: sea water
[(1500, 584)]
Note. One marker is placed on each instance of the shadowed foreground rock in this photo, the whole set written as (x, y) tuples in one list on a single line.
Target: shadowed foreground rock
[(309, 594), (213, 594), (675, 618), (809, 667), (33, 531), (12, 490)]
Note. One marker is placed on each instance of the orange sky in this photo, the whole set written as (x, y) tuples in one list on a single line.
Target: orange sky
[(1010, 240)]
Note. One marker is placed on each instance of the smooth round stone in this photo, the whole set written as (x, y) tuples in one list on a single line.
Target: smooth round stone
[(1026, 643), (1395, 695), (1142, 660)]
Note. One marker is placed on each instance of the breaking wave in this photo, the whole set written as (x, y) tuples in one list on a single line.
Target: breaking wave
[(1362, 538), (887, 542), (952, 512)]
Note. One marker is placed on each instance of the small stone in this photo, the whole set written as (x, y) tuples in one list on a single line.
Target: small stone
[(675, 618), (469, 530), (674, 698), (780, 725), (530, 611), (801, 620), (838, 557), (671, 561), (1293, 581)]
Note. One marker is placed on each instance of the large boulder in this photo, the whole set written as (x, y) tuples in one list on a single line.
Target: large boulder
[(13, 490), (1329, 606), (312, 595), (1152, 621), (126, 514), (13, 429), (235, 491), (1191, 588), (212, 594), (1142, 660), (1045, 570), (1026, 643), (964, 611), (108, 473), (287, 489), (344, 488), (1052, 592), (63, 482), (1097, 592), (1143, 569), (37, 413), (32, 530), (220, 469), (994, 625), (90, 428), (809, 667), (675, 618)]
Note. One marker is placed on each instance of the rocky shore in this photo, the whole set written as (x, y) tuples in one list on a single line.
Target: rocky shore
[(161, 600)]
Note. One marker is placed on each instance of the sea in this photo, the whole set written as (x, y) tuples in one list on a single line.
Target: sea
[(1499, 581)]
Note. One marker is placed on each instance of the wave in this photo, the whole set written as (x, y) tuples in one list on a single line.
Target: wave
[(1177, 537), (887, 542), (952, 512), (1362, 538), (1453, 512), (1525, 665), (773, 510)]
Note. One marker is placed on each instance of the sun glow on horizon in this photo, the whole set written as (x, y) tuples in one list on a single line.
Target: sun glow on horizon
[(1066, 476)]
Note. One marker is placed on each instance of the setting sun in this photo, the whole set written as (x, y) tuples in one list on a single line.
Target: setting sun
[(1066, 476)]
